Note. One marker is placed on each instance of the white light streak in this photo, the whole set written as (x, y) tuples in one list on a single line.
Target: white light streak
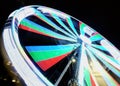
[(28, 75), (85, 39), (112, 49)]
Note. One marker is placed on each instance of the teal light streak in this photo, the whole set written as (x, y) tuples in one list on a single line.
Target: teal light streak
[(106, 77), (82, 28), (98, 47), (113, 69), (72, 26), (48, 21), (62, 24), (112, 61), (96, 37), (44, 30)]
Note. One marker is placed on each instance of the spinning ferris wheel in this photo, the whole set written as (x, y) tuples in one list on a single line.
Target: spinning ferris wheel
[(49, 47)]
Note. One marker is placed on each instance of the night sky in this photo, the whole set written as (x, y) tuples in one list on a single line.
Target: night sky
[(101, 16)]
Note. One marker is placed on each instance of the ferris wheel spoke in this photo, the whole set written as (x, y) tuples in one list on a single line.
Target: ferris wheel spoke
[(70, 23), (33, 27), (110, 64), (88, 78), (85, 75), (63, 73), (62, 24), (81, 26), (81, 75), (47, 56), (51, 23), (98, 47), (107, 58), (112, 49), (96, 37), (110, 67), (103, 74), (66, 68)]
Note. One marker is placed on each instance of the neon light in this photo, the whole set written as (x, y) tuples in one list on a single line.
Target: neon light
[(93, 55), (92, 81), (48, 21), (46, 52), (96, 37), (46, 64), (102, 71), (33, 27), (70, 22), (113, 51), (22, 69), (98, 47), (87, 77), (62, 24), (82, 28), (85, 39)]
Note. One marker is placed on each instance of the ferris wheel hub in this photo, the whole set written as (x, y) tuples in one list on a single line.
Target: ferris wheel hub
[(85, 39)]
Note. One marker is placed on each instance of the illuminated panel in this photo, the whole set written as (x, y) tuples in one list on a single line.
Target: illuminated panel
[(30, 26), (46, 56), (51, 23)]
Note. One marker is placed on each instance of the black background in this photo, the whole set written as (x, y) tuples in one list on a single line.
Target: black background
[(100, 15)]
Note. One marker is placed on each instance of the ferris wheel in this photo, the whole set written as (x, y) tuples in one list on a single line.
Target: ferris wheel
[(50, 48)]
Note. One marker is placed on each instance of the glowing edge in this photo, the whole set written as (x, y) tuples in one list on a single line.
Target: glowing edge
[(19, 59)]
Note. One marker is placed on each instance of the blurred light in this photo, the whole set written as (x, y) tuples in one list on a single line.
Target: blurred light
[(73, 60)]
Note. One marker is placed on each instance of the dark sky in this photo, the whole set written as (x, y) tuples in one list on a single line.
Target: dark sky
[(100, 15)]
